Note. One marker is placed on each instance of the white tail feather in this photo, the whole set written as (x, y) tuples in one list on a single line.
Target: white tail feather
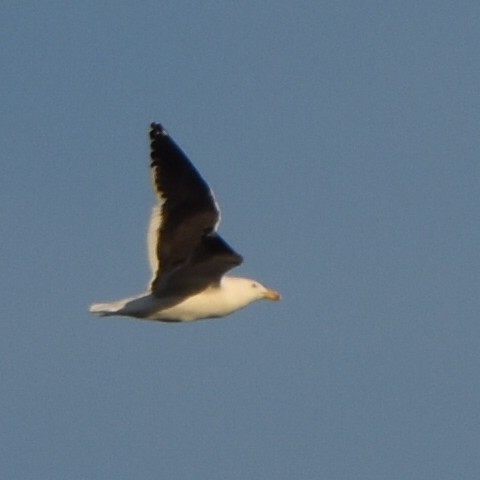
[(138, 306), (104, 309)]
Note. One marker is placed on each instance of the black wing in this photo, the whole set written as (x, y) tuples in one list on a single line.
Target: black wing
[(182, 235)]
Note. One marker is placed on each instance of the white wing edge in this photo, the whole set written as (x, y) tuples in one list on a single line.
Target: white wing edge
[(153, 238)]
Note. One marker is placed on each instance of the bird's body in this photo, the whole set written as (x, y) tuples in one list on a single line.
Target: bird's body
[(187, 257), (213, 302)]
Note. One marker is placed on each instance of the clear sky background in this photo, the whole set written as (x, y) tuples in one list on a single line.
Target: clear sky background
[(342, 141)]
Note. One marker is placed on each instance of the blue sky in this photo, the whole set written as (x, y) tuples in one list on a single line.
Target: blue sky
[(341, 140)]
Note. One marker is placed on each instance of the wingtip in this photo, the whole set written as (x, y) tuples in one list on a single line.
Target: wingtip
[(157, 129)]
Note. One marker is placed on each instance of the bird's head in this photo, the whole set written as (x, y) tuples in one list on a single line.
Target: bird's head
[(264, 292)]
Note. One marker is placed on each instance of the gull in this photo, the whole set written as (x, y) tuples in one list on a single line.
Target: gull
[(188, 258)]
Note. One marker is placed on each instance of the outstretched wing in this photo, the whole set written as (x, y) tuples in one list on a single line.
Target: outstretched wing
[(184, 250)]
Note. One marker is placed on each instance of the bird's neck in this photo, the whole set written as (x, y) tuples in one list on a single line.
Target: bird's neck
[(234, 293)]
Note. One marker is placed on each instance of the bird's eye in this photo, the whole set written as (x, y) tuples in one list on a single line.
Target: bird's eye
[(254, 285)]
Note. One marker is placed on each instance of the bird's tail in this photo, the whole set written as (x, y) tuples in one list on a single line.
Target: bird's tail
[(106, 309), (137, 306)]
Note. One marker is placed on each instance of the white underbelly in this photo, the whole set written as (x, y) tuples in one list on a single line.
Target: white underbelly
[(194, 308)]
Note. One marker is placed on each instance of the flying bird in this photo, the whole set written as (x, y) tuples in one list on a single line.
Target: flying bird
[(188, 258)]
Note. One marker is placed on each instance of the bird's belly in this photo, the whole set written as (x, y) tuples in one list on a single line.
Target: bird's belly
[(193, 308)]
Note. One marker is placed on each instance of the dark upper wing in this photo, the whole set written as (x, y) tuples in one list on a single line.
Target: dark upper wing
[(210, 260), (182, 230)]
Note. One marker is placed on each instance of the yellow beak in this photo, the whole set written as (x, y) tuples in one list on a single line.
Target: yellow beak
[(272, 295)]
